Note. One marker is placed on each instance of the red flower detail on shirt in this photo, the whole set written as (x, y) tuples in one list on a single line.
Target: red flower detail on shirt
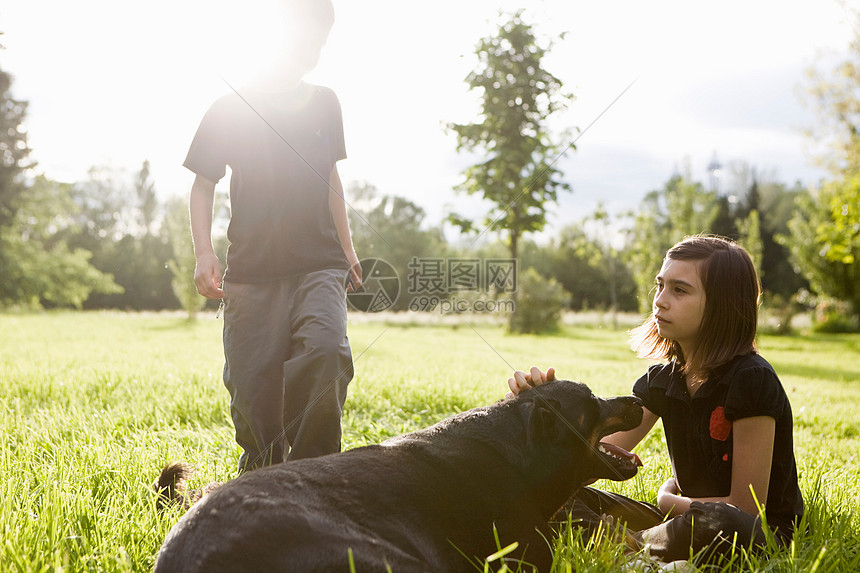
[(720, 428)]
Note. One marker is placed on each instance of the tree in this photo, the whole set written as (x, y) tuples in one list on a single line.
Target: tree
[(183, 261), (118, 215), (150, 281), (836, 99), (682, 208), (147, 200), (748, 191), (518, 95), (750, 239), (14, 150), (690, 209), (391, 228), (824, 240), (541, 304), (825, 230), (106, 207), (606, 257), (581, 264), (38, 266)]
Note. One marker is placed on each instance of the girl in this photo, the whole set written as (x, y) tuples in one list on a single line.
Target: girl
[(725, 414)]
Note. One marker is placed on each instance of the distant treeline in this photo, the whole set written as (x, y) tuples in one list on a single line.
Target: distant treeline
[(110, 241)]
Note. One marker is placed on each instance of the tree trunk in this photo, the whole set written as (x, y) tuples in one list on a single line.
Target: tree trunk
[(513, 252)]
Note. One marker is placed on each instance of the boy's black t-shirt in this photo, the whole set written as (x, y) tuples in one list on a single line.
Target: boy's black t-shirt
[(281, 154), (699, 430)]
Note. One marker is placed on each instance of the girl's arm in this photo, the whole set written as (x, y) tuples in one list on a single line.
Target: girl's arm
[(751, 463)]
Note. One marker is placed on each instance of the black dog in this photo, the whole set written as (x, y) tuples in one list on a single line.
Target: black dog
[(432, 500)]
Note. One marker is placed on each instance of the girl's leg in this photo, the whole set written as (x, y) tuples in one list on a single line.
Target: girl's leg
[(587, 507), (713, 529)]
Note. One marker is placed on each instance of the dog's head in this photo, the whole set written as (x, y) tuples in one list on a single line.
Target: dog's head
[(566, 416)]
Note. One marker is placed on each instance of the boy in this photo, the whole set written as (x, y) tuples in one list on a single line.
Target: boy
[(287, 357)]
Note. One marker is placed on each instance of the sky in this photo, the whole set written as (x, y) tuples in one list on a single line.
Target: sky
[(116, 83)]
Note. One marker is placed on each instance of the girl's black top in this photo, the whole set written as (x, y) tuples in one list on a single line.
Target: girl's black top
[(699, 429)]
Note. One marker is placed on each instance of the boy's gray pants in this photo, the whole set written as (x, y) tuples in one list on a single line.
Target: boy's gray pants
[(287, 366)]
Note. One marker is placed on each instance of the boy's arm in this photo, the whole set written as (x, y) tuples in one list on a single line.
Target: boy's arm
[(337, 204), (207, 273)]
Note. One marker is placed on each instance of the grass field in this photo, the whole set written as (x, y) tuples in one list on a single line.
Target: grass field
[(93, 404)]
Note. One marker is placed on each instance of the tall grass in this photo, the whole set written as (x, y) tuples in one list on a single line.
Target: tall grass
[(93, 404)]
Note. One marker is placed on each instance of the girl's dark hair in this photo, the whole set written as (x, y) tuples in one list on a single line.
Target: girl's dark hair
[(732, 293)]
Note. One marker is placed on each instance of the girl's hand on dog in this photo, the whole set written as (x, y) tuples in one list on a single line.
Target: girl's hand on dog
[(523, 381)]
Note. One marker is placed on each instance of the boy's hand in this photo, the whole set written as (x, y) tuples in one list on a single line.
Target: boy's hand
[(355, 277), (535, 377), (207, 277)]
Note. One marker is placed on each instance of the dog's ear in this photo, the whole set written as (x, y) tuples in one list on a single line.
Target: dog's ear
[(543, 421)]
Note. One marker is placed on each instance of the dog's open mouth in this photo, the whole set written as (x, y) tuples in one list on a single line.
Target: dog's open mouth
[(619, 463)]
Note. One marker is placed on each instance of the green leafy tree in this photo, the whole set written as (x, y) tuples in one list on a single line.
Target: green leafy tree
[(14, 150), (648, 244), (518, 176), (579, 263), (682, 208), (105, 208), (605, 257), (540, 304), (750, 238), (518, 95), (824, 240), (118, 219), (392, 228), (690, 209), (183, 261), (825, 230), (774, 203), (147, 200), (38, 266), (835, 96), (149, 280), (779, 276)]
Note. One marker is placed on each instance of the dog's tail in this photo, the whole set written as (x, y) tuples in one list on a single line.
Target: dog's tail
[(170, 486)]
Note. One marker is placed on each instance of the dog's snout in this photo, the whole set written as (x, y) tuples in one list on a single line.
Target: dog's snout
[(627, 401), (634, 405), (623, 412)]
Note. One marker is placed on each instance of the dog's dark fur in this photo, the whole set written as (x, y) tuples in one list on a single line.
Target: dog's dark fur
[(171, 486), (426, 501)]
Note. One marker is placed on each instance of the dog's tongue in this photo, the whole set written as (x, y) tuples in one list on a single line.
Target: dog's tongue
[(621, 453)]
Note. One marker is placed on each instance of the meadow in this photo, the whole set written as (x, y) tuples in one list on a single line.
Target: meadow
[(92, 405)]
